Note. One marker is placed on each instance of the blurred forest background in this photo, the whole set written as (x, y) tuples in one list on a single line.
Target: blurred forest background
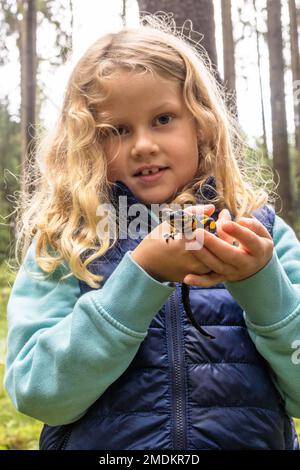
[(264, 32)]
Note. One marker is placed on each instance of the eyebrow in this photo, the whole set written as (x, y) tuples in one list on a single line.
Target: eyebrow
[(165, 104)]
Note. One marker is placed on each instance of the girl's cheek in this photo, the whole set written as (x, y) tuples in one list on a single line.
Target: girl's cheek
[(111, 175)]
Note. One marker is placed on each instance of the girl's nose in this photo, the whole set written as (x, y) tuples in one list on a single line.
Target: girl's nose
[(144, 145)]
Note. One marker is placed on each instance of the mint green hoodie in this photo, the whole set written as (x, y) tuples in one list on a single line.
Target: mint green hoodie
[(64, 349)]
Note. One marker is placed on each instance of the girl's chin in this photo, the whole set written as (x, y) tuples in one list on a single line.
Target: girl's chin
[(157, 193), (153, 198)]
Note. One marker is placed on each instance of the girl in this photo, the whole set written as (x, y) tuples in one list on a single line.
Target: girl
[(99, 346)]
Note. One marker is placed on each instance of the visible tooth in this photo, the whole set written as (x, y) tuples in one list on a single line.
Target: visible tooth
[(148, 172)]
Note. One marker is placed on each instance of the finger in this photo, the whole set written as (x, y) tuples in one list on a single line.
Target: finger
[(208, 209), (225, 236), (209, 259), (248, 238), (223, 217), (226, 253), (255, 225), (203, 280)]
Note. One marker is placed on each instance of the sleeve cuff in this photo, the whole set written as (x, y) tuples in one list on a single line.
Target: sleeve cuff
[(131, 296), (268, 296)]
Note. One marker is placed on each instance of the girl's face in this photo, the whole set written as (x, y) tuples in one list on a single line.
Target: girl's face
[(156, 130)]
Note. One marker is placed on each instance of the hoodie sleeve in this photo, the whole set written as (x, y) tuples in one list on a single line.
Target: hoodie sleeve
[(271, 303), (64, 349)]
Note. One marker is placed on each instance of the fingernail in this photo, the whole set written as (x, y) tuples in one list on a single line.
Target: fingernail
[(209, 206)]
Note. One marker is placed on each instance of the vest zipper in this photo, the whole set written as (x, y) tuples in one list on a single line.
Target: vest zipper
[(177, 367), (63, 444)]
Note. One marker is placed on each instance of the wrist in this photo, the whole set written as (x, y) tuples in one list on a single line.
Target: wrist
[(139, 257)]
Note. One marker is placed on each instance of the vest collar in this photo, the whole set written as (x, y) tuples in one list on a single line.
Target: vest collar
[(207, 193)]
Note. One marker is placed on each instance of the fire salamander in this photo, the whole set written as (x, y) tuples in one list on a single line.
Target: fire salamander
[(183, 222)]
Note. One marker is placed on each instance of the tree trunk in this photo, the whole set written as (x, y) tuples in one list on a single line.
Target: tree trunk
[(28, 88), (200, 12), (123, 13), (295, 61), (228, 56), (281, 162), (260, 85)]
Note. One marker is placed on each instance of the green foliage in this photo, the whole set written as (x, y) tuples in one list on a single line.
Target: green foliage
[(258, 161), (60, 16), (294, 156), (56, 13), (297, 424), (8, 27), (17, 431), (9, 173)]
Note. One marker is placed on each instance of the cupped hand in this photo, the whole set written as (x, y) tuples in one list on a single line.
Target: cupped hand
[(227, 261), (170, 261)]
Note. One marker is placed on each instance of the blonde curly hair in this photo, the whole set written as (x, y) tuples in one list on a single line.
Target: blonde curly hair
[(71, 179)]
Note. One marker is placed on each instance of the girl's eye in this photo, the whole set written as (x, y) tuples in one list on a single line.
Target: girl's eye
[(119, 130), (163, 117)]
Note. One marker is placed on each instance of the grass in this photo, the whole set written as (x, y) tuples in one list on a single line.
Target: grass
[(18, 431)]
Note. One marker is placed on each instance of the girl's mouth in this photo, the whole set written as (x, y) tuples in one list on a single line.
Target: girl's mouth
[(152, 176)]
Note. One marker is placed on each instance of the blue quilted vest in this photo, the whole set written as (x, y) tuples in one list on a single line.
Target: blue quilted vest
[(182, 391)]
